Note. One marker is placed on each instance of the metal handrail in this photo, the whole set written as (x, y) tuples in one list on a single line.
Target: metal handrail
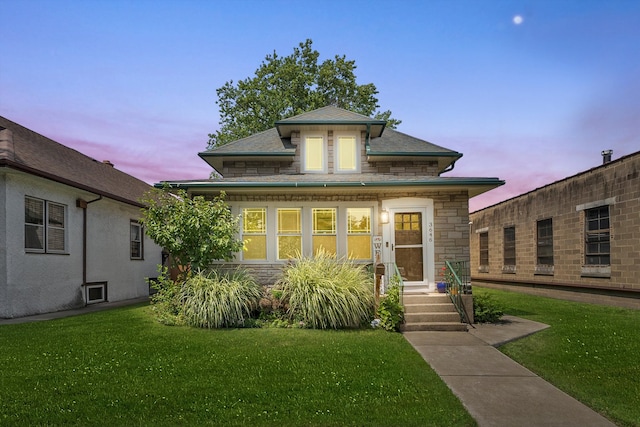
[(458, 279)]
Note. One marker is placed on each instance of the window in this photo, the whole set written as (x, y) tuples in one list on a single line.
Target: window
[(597, 235), (346, 154), (96, 292), (359, 233), (44, 226), (314, 154), (484, 250), (289, 233), (136, 240), (324, 230), (254, 232), (545, 242), (509, 249)]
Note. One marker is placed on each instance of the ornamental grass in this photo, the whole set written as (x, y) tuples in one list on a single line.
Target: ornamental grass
[(217, 300), (325, 292)]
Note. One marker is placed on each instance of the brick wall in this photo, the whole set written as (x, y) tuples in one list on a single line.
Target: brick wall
[(616, 184)]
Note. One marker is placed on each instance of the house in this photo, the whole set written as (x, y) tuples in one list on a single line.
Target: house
[(339, 181), (69, 228), (579, 235)]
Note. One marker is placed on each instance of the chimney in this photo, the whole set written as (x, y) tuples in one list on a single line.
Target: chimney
[(107, 162), (606, 156)]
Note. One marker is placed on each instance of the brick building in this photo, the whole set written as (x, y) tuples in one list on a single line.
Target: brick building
[(581, 233)]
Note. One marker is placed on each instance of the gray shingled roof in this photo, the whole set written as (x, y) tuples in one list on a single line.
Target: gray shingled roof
[(393, 142), (269, 142), (328, 114), (265, 143), (28, 151)]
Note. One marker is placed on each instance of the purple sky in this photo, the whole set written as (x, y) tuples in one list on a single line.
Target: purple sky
[(529, 100)]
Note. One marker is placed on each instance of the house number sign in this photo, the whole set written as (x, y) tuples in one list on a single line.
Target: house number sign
[(430, 232)]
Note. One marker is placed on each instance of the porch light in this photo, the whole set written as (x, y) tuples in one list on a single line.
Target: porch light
[(384, 217)]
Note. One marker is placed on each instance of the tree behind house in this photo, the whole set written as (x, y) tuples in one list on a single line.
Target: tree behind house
[(288, 86)]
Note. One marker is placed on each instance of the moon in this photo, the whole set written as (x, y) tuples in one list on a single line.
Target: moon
[(518, 19)]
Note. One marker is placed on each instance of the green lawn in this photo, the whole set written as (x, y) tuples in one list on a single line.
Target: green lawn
[(119, 367), (591, 352)]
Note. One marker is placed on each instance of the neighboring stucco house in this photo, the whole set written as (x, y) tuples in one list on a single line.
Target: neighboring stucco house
[(68, 226), (580, 234), (343, 182)]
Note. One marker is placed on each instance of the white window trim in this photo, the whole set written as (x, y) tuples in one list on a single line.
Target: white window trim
[(336, 153), (245, 236), (306, 218), (135, 223), (325, 152), (45, 246)]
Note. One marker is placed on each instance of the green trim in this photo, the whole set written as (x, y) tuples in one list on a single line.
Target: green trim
[(411, 154), (307, 184), (247, 154), (330, 122)]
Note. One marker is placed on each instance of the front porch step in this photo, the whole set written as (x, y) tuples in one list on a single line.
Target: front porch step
[(432, 317), (430, 312), (435, 326)]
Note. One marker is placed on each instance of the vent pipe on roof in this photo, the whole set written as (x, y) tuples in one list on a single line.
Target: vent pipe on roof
[(107, 162), (606, 156)]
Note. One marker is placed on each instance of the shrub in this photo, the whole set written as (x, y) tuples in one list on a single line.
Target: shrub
[(390, 311), (219, 300), (165, 303), (325, 292), (486, 309)]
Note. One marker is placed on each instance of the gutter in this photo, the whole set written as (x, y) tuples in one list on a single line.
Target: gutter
[(83, 204)]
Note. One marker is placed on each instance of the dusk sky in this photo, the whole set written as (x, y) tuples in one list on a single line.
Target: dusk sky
[(529, 91)]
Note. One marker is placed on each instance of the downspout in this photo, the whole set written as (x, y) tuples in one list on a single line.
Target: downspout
[(84, 204), (367, 139), (449, 168)]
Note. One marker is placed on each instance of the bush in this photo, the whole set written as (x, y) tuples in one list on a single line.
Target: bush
[(219, 300), (325, 292), (486, 309), (165, 303), (390, 311)]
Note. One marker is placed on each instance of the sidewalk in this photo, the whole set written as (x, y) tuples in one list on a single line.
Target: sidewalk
[(75, 312), (494, 389)]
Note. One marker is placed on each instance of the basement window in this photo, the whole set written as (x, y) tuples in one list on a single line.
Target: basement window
[(96, 292)]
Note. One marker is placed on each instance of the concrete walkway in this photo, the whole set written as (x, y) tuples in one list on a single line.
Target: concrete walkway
[(92, 308), (494, 389)]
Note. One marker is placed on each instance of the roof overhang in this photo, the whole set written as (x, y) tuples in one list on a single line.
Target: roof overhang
[(215, 160), (473, 186), (445, 159), (374, 128)]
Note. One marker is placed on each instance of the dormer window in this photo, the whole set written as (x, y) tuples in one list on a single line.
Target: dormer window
[(347, 152), (314, 157)]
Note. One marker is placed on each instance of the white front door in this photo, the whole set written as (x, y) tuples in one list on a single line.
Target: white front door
[(410, 242)]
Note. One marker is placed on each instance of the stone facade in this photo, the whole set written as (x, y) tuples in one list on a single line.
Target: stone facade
[(567, 204), (451, 230)]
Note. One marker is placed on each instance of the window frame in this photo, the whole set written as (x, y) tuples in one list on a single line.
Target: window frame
[(316, 232), (263, 231), (135, 223), (351, 233), (305, 151), (509, 249), (47, 227), (337, 152), (299, 233), (602, 236), (544, 241), (483, 251)]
